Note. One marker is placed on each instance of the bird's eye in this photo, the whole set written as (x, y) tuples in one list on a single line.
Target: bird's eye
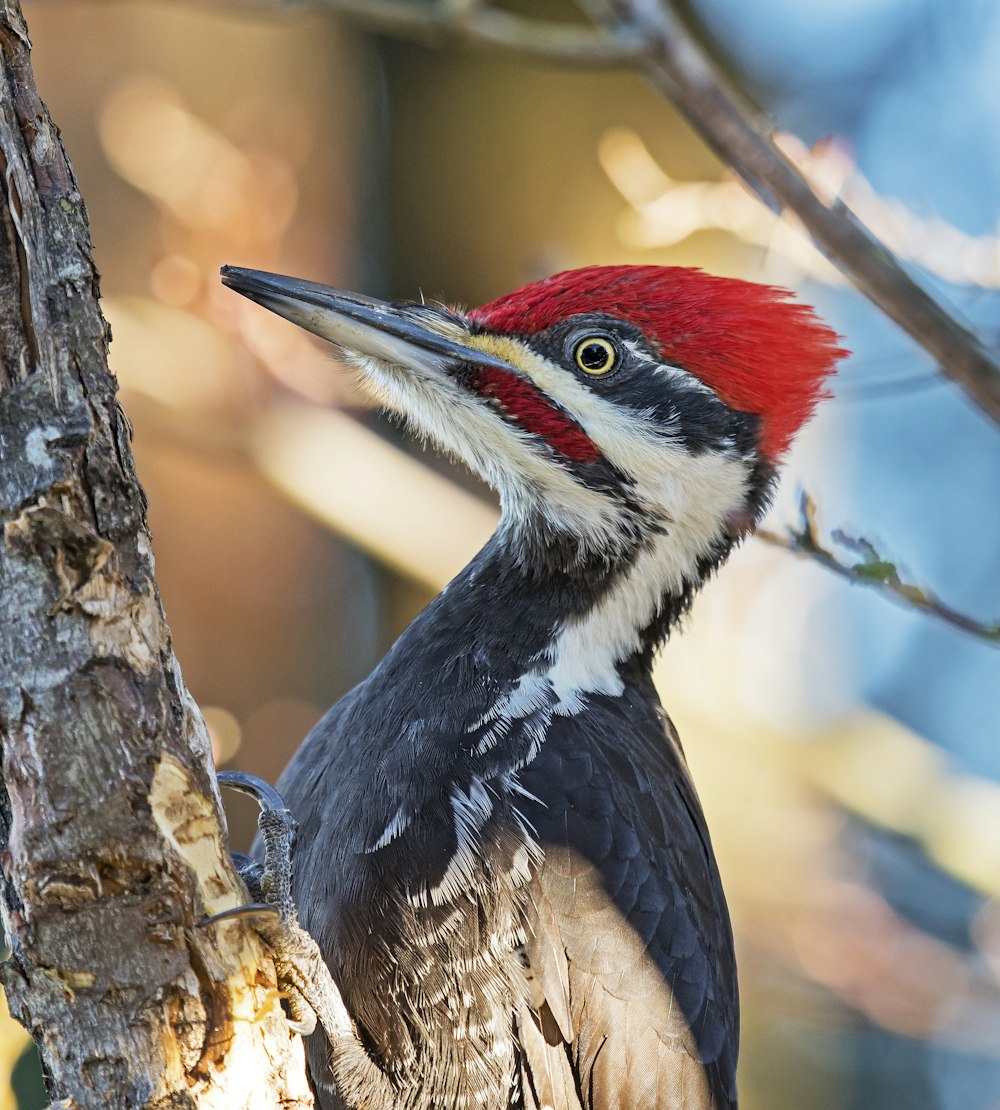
[(595, 355)]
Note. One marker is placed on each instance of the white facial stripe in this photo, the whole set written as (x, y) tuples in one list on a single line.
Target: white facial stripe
[(688, 490), (698, 492), (511, 460), (625, 440), (508, 458), (682, 377), (585, 654), (665, 370), (689, 496)]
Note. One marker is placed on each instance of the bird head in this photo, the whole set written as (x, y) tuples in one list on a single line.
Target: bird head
[(602, 403)]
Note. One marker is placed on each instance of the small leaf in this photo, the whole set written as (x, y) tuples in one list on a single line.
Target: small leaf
[(876, 570)]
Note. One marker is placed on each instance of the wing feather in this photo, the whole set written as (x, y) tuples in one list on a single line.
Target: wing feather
[(628, 932)]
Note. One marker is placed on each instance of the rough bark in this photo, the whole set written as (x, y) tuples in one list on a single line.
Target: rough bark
[(114, 848)]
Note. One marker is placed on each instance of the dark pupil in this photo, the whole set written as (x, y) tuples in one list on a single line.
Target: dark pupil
[(594, 356)]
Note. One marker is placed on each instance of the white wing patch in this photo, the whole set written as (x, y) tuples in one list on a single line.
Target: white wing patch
[(530, 694), (396, 827), (470, 811), (583, 658)]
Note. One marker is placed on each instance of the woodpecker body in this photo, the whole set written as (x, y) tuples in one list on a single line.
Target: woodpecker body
[(501, 854)]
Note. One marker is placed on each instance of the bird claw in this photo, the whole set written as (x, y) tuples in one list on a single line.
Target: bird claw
[(305, 980), (304, 1026), (262, 792), (272, 883), (248, 909)]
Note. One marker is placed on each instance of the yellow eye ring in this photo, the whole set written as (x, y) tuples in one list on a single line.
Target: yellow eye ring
[(595, 355)]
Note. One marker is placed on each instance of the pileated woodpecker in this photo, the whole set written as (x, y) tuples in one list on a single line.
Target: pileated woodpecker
[(501, 854)]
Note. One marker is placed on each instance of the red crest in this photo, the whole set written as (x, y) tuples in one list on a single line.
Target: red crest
[(761, 351)]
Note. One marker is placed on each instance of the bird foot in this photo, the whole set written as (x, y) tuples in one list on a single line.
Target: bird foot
[(305, 980), (313, 997)]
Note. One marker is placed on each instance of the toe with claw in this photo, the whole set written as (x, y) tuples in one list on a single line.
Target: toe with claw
[(303, 976)]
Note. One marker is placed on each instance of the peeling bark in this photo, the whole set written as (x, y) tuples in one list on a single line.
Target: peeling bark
[(113, 840)]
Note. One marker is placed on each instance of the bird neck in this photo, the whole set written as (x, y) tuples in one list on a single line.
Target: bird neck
[(533, 632), (576, 619)]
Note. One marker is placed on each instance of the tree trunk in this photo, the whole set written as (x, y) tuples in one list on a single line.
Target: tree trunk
[(113, 840)]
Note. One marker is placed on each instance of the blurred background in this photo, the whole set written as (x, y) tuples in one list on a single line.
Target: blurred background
[(845, 748)]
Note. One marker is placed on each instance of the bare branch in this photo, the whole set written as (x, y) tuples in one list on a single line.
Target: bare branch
[(468, 22), (872, 569), (679, 66)]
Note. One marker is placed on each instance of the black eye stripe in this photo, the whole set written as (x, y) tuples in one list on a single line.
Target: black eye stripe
[(679, 406)]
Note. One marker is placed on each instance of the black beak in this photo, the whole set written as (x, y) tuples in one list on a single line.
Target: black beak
[(403, 334)]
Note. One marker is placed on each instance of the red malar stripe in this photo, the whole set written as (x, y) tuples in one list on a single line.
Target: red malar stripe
[(535, 413)]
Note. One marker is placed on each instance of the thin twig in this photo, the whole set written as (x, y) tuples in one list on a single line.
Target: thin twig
[(873, 570)]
